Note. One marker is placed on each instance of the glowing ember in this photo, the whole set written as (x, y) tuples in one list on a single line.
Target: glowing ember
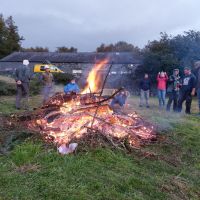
[(94, 79)]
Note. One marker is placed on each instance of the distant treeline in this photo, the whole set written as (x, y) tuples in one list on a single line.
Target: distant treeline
[(164, 54)]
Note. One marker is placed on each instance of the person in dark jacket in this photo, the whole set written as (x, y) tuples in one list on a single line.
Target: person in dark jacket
[(173, 90), (187, 90), (144, 90), (197, 67), (22, 78)]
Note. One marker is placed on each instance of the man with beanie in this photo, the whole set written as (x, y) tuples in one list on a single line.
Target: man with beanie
[(22, 78), (173, 90), (187, 90)]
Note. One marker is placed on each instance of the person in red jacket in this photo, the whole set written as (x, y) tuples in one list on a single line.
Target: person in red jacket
[(161, 87)]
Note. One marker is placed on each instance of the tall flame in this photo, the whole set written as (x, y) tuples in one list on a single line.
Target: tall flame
[(94, 78)]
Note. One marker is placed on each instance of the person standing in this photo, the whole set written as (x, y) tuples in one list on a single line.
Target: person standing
[(161, 87), (197, 67), (173, 89), (22, 78), (187, 90), (144, 90), (47, 80)]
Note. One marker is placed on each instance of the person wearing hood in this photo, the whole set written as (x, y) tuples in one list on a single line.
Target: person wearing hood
[(72, 87), (197, 67), (22, 78), (173, 90), (187, 90), (119, 100)]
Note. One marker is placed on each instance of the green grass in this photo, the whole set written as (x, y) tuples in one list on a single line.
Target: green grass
[(7, 104), (32, 171)]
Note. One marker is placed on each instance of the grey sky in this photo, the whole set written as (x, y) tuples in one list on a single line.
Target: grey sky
[(86, 24)]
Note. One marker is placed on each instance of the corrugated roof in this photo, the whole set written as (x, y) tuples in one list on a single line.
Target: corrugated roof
[(88, 57)]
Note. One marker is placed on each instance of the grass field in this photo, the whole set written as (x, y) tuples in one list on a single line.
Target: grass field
[(33, 171)]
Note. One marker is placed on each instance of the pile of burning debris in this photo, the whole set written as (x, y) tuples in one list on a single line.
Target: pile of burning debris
[(69, 119)]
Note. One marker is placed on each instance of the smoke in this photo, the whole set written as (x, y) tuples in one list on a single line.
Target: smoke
[(163, 121), (58, 88)]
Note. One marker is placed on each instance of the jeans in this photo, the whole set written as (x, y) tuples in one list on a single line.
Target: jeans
[(161, 97), (47, 92), (198, 96), (185, 96), (144, 96), (22, 91), (173, 97)]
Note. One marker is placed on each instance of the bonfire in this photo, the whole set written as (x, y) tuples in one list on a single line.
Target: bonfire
[(72, 118)]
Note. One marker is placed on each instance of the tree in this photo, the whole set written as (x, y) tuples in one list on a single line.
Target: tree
[(186, 47), (35, 49), (170, 52), (3, 33), (120, 46), (13, 42), (10, 40), (64, 49), (105, 48), (158, 56)]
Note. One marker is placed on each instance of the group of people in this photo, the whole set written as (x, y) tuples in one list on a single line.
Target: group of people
[(179, 89), (23, 76)]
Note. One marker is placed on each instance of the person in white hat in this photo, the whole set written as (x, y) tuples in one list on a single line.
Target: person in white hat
[(22, 78), (47, 80)]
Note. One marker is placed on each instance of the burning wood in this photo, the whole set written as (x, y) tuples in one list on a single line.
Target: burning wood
[(70, 120), (67, 119)]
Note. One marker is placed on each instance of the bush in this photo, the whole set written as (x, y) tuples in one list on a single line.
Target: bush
[(63, 78), (7, 89), (35, 86)]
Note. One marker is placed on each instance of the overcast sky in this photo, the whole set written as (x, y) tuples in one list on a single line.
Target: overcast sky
[(86, 24)]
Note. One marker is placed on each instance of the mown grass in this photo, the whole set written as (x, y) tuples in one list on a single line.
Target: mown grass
[(32, 171)]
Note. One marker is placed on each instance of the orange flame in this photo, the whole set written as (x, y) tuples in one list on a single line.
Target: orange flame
[(94, 79)]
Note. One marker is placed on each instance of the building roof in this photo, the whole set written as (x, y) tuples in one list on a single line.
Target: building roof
[(88, 57)]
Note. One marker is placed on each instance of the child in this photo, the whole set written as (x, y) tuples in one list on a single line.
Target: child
[(71, 87)]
